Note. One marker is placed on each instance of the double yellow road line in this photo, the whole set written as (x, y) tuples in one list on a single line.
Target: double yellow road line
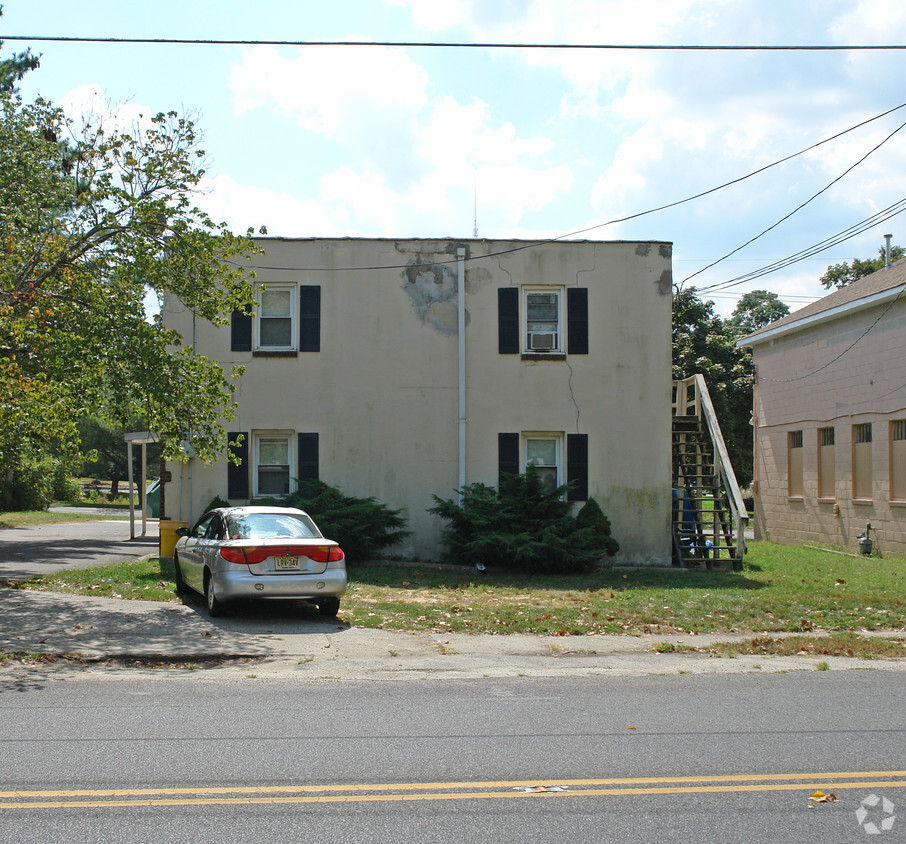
[(409, 792)]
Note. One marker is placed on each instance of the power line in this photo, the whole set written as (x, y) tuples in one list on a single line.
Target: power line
[(459, 45), (854, 230), (798, 208)]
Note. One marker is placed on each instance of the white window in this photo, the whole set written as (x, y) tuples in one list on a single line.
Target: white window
[(275, 320), (543, 327), (273, 456), (544, 452)]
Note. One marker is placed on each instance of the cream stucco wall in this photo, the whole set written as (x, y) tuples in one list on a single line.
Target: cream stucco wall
[(382, 392), (838, 374)]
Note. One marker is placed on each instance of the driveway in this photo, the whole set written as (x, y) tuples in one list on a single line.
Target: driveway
[(44, 549)]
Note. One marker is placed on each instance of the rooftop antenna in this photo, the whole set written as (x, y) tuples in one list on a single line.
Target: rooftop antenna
[(475, 219)]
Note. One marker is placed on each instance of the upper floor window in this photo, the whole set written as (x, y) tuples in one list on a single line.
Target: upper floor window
[(287, 320), (543, 320), (275, 318), (542, 323)]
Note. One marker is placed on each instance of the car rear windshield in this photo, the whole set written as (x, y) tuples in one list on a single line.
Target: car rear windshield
[(265, 525)]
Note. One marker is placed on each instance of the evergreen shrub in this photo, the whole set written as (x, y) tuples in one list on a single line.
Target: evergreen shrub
[(524, 526), (363, 526)]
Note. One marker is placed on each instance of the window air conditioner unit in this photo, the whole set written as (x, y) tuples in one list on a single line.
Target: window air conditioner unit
[(542, 342)]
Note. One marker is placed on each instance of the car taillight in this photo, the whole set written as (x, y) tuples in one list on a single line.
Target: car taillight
[(246, 556), (318, 553), (252, 555)]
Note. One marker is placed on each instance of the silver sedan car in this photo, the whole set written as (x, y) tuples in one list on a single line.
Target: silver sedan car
[(259, 552)]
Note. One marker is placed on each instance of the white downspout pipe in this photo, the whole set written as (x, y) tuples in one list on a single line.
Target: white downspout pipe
[(461, 360)]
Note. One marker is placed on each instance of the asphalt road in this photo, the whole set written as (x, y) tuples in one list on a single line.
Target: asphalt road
[(171, 755)]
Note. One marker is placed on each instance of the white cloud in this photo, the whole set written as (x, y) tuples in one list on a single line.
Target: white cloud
[(87, 105), (242, 206), (406, 154)]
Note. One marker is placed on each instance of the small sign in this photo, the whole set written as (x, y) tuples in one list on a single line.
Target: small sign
[(166, 477)]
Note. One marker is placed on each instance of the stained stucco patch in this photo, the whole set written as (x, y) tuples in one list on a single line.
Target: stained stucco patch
[(431, 288), (665, 283)]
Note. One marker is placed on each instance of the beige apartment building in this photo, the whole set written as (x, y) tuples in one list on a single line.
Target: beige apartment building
[(830, 418), (403, 369)]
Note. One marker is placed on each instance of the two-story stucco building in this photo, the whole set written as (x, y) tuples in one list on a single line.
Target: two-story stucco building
[(402, 369), (830, 418)]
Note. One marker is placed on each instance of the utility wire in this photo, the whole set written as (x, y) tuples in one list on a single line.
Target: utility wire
[(834, 240), (798, 208), (460, 45), (571, 234)]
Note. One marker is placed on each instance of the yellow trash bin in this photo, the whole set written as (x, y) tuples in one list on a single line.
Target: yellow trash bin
[(168, 537)]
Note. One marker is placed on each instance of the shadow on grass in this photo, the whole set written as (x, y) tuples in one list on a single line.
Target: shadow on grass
[(614, 579)]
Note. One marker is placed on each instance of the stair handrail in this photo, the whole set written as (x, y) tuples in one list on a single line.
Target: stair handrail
[(734, 495), (685, 402)]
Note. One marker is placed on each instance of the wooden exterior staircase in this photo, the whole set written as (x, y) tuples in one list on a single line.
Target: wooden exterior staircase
[(709, 514)]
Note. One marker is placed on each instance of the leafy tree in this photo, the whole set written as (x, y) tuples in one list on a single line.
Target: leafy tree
[(90, 218), (704, 344), (524, 525), (839, 275), (15, 67), (108, 457), (363, 526), (755, 310)]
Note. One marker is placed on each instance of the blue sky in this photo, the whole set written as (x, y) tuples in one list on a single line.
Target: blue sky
[(399, 142)]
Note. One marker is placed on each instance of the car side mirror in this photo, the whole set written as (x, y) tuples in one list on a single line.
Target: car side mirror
[(183, 531)]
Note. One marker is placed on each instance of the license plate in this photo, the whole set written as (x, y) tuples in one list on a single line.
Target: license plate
[(286, 562)]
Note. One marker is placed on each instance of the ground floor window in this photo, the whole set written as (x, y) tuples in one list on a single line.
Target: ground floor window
[(794, 476), (272, 459), (862, 470), (898, 460), (826, 463), (543, 451)]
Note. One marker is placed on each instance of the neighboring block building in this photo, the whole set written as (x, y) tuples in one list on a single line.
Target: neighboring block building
[(830, 418), (365, 367)]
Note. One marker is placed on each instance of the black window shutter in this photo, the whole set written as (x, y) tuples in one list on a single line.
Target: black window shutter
[(507, 455), (577, 320), (238, 476), (310, 318), (508, 320), (577, 467), (308, 457), (241, 331)]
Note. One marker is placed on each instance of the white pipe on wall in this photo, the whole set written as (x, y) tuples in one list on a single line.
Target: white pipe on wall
[(461, 355)]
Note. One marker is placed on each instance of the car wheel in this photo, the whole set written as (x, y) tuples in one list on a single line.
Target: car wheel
[(181, 587), (329, 606), (215, 605)]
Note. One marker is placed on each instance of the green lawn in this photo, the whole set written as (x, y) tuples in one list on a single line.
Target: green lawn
[(781, 589), (45, 517)]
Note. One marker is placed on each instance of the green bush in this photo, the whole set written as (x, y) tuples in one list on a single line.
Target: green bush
[(32, 484), (65, 486), (362, 526), (215, 504), (524, 526)]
